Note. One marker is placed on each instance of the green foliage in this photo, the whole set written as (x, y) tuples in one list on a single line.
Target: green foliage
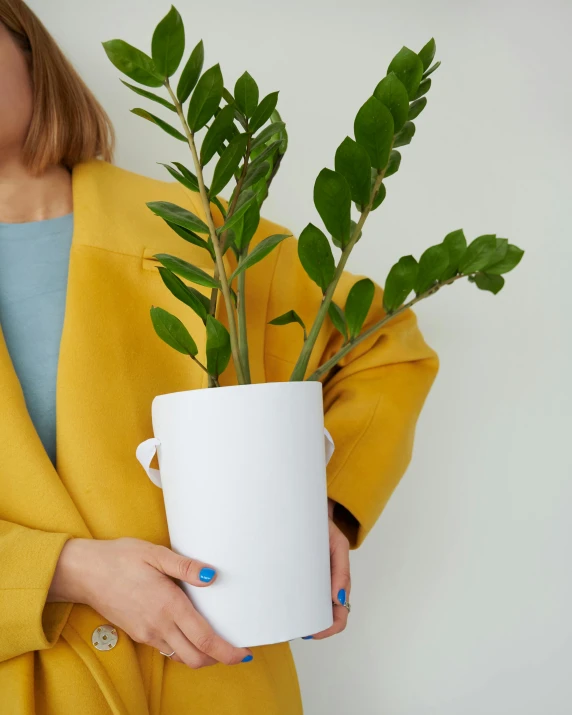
[(392, 93), (133, 63), (358, 304), (290, 316), (260, 251), (399, 283), (373, 129), (187, 270), (245, 201), (408, 69), (478, 254), (192, 181), (178, 215), (338, 318), (245, 229), (432, 265), (246, 94), (191, 237), (456, 245), (160, 123), (216, 134), (263, 111), (405, 135), (332, 198), (511, 259), (316, 257), (431, 70), (205, 99), (151, 96), (416, 107), (352, 162), (484, 281), (218, 349), (228, 163), (191, 73), (168, 44), (267, 133), (186, 294), (170, 329), (427, 53), (393, 164)]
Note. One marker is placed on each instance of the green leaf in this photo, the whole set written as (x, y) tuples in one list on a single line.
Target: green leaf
[(484, 281), (178, 215), (432, 265), (424, 87), (254, 173), (338, 318), (478, 254), (181, 178), (332, 198), (456, 245), (151, 96), (191, 73), (417, 107), (399, 283), (290, 317), (168, 44), (358, 304), (262, 113), (248, 227), (259, 252), (191, 237), (500, 251), (228, 163), (512, 258), (218, 348), (427, 53), (191, 179), (186, 294), (352, 162), (187, 270), (205, 99), (373, 129), (132, 62), (316, 257), (431, 70), (405, 135), (380, 196), (170, 329), (353, 226), (393, 164), (265, 153), (160, 123), (408, 68), (282, 134), (216, 133), (245, 201), (392, 93), (267, 133), (246, 94)]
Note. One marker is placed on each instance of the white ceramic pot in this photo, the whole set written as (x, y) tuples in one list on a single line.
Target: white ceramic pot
[(243, 473)]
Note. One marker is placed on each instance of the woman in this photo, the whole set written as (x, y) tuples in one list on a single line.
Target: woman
[(92, 620)]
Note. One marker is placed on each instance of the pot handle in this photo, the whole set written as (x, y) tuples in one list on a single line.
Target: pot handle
[(146, 451)]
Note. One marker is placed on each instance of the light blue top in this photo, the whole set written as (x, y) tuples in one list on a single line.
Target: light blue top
[(34, 259)]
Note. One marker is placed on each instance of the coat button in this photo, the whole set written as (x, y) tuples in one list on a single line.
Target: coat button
[(104, 637)]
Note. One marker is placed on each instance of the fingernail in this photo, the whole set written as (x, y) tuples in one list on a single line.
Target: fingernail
[(206, 575), (342, 596), (247, 658), (306, 638)]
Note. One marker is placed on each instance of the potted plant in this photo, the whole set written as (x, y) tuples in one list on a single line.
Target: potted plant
[(280, 480)]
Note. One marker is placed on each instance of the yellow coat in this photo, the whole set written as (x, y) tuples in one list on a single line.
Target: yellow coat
[(111, 365)]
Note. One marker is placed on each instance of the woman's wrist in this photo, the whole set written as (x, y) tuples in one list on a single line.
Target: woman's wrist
[(69, 575)]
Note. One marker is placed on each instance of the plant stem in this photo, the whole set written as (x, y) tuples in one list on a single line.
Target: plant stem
[(214, 239), (242, 335), (332, 362), (199, 363), (301, 366)]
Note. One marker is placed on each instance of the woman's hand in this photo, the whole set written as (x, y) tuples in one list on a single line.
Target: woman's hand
[(341, 581), (129, 582)]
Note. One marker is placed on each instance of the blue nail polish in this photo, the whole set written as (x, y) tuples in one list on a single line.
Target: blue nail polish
[(306, 638), (342, 596), (206, 575), (247, 658)]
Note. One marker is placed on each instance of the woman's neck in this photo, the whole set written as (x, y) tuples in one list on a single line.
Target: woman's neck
[(24, 197)]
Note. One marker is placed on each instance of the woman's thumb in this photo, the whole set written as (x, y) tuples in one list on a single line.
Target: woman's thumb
[(192, 571)]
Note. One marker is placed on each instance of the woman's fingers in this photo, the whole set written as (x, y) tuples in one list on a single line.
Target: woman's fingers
[(202, 636), (341, 581), (185, 652), (172, 564)]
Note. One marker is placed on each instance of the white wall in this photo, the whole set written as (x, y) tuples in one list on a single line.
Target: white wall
[(461, 594)]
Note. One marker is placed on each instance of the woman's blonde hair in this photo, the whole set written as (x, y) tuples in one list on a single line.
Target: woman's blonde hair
[(68, 124)]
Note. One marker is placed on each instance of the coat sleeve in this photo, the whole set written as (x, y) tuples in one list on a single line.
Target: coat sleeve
[(372, 399), (28, 559)]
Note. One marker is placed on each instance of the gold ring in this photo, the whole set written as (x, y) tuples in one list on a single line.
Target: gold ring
[(345, 605), (167, 654)]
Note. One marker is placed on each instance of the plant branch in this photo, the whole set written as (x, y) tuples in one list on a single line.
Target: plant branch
[(214, 238), (332, 362), (199, 363), (301, 366)]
